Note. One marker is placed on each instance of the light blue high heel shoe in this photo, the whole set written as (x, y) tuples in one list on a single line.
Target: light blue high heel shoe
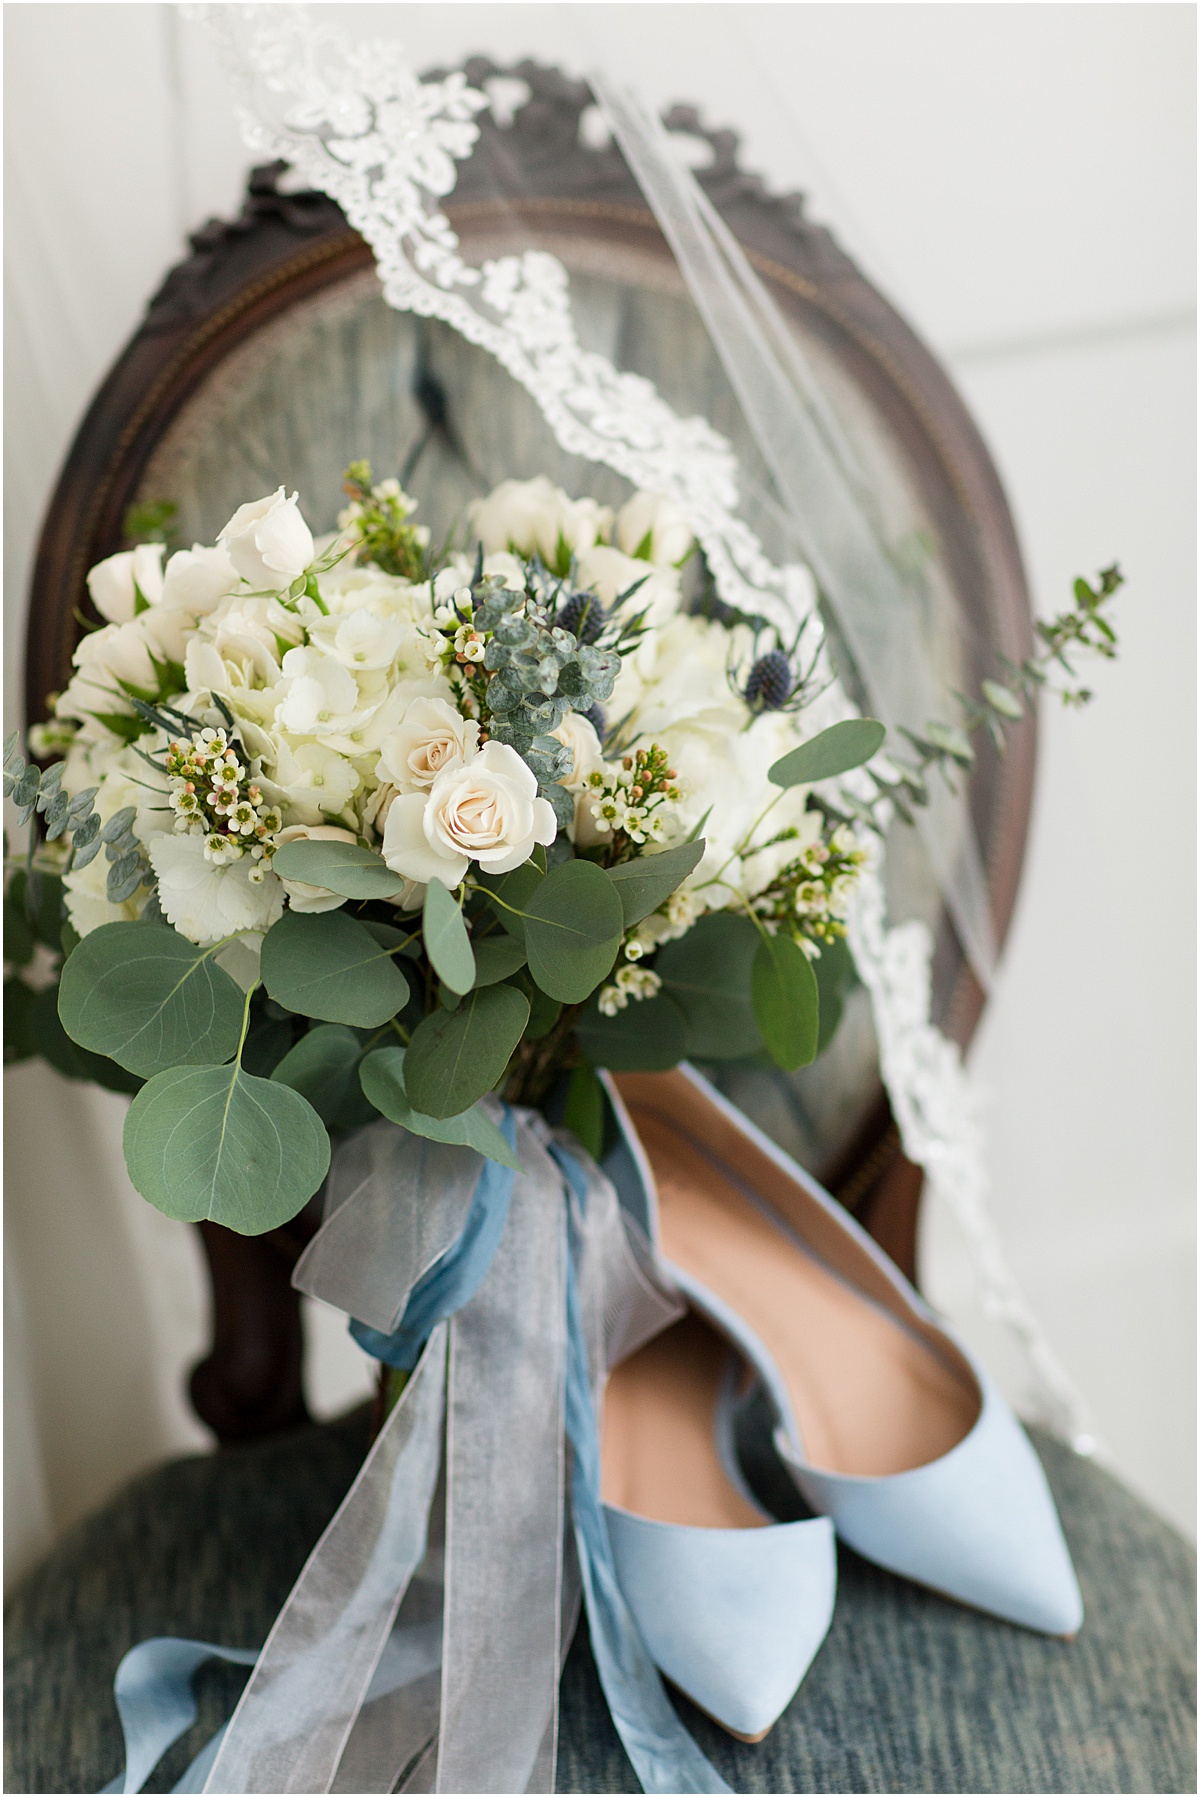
[(887, 1424), (732, 1605)]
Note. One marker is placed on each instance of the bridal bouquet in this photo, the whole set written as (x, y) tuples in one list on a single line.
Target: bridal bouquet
[(386, 830)]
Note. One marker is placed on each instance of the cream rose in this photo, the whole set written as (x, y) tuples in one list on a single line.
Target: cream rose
[(432, 738), (268, 541), (484, 810), (579, 735)]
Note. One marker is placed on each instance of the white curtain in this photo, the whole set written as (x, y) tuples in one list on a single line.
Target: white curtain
[(1019, 180)]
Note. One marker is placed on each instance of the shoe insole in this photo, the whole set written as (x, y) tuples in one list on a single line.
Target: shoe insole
[(869, 1397), (658, 1446)]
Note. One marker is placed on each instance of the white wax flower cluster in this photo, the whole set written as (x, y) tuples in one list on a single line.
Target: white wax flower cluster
[(352, 698)]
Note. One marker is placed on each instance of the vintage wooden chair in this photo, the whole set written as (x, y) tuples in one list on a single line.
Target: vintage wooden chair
[(269, 355)]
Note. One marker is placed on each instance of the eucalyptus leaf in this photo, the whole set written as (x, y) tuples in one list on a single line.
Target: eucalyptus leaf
[(836, 977), (219, 1144), (707, 973), (646, 1037), (456, 1056), (343, 867), (834, 751), (321, 1067), (643, 884), (783, 987), (446, 940), (66, 1057), (496, 957), (325, 964), (149, 999), (584, 1110), (382, 1077), (573, 927), (511, 893)]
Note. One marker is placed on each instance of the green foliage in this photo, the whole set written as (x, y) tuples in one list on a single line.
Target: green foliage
[(834, 751), (382, 1076), (151, 521), (783, 990), (220, 1144), (584, 1112), (325, 964), (456, 1056), (573, 926), (707, 975), (647, 1037), (496, 958), (379, 520), (643, 883), (510, 893), (343, 867), (836, 977), (1084, 627), (446, 940), (142, 995), (321, 1067), (33, 791)]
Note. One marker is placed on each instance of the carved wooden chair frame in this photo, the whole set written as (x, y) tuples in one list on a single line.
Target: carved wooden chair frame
[(284, 248)]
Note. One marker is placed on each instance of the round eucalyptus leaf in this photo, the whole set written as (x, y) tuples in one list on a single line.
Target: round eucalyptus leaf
[(344, 867), (456, 1056), (147, 998), (573, 926), (783, 987), (707, 973), (834, 751), (325, 964), (382, 1077), (446, 940), (646, 1037), (321, 1067), (643, 884), (496, 957), (217, 1144)]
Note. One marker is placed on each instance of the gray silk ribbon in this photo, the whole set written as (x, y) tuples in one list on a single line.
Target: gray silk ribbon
[(399, 1662)]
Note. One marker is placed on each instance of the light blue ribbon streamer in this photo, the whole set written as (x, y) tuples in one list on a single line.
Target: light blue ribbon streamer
[(454, 1279), (660, 1749), (156, 1704), (153, 1686)]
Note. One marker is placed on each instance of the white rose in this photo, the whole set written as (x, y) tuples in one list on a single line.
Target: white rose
[(268, 541), (485, 810), (649, 515), (301, 895), (579, 735), (115, 583), (117, 652), (197, 579), (611, 573), (535, 515), (205, 902), (432, 738)]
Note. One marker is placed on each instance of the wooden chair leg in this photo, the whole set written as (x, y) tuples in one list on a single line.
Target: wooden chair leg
[(251, 1383)]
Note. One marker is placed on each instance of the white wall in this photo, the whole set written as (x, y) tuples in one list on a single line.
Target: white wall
[(1019, 179)]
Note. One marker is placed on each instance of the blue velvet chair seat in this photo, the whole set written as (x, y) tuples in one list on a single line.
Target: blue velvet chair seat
[(909, 1692)]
